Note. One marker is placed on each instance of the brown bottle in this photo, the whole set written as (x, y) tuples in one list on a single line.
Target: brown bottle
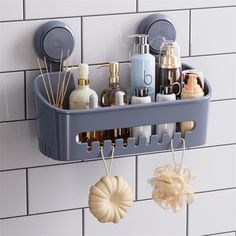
[(108, 96)]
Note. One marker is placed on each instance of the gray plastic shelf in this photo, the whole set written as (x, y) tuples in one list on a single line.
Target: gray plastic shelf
[(57, 128)]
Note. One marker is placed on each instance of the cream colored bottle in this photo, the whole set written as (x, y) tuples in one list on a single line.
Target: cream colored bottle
[(79, 98), (191, 90)]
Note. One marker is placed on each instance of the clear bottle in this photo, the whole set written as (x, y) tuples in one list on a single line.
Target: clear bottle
[(191, 90), (169, 69), (108, 96), (142, 67), (141, 96)]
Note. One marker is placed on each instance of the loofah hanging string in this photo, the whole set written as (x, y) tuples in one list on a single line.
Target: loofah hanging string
[(111, 197), (171, 184)]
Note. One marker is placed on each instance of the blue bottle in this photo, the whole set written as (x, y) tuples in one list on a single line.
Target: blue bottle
[(142, 67)]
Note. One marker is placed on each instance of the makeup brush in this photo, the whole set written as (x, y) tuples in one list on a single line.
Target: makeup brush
[(59, 80)]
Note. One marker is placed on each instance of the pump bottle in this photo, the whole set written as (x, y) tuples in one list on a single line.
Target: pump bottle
[(142, 67)]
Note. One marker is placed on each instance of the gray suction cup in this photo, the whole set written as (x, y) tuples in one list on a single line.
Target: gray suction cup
[(159, 28), (51, 39)]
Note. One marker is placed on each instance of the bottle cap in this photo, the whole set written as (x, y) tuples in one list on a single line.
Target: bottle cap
[(141, 92), (93, 100), (83, 74), (119, 98), (142, 47), (192, 86), (169, 57)]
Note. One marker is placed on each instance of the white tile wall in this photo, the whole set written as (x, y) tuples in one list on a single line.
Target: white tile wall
[(217, 207), (98, 48), (206, 164), (212, 66), (54, 224), (151, 5), (221, 124), (12, 104), (144, 218), (17, 44), (218, 34), (11, 10), (12, 193), (68, 185), (19, 146), (34, 8)]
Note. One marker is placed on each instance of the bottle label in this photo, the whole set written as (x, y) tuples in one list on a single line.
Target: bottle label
[(147, 78)]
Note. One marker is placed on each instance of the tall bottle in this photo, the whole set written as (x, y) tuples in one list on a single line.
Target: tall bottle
[(142, 67), (191, 90), (79, 98), (169, 69), (141, 96), (108, 95)]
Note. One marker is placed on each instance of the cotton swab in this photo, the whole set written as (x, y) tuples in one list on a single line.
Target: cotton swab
[(49, 81), (45, 86)]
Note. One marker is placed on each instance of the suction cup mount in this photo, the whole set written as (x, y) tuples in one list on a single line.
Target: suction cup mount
[(53, 40)]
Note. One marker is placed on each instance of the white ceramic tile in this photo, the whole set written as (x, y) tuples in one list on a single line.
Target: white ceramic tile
[(222, 79), (221, 123), (154, 5), (218, 34), (17, 43), (143, 218), (205, 163), (54, 224), (12, 105), (11, 10), (68, 186), (19, 146), (212, 213), (111, 42), (34, 8), (12, 193), (226, 234)]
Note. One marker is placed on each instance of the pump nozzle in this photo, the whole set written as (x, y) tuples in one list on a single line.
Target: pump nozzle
[(114, 71), (142, 46)]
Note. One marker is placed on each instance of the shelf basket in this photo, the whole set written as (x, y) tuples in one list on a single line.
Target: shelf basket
[(58, 128)]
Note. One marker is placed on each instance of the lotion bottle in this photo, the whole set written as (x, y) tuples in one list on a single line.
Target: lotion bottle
[(142, 67), (191, 90), (79, 98), (141, 96)]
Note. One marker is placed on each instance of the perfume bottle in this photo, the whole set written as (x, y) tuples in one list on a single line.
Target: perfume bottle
[(169, 69)]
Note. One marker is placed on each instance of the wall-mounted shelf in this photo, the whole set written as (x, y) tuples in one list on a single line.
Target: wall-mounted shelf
[(57, 128)]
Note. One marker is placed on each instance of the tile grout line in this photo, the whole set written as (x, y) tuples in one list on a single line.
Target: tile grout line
[(137, 6), (83, 222), (25, 96), (27, 191), (187, 219)]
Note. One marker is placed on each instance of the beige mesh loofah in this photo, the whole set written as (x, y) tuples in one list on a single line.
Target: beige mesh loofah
[(110, 199), (171, 190)]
